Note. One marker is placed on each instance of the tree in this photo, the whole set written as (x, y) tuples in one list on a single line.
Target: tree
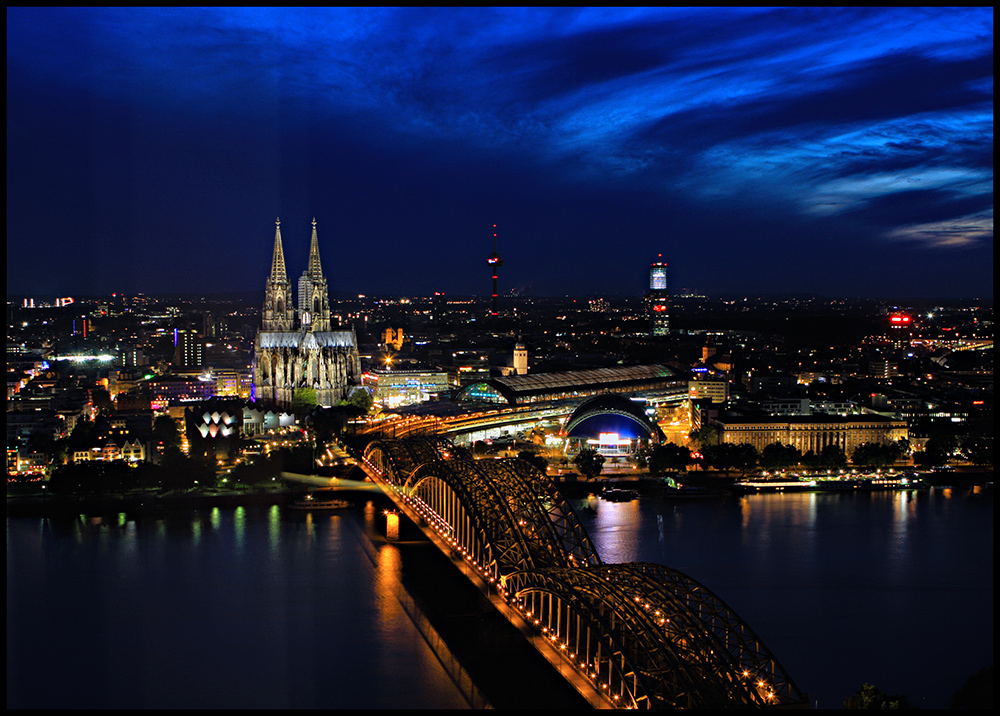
[(937, 451), (877, 455), (811, 461), (589, 463), (727, 456), (977, 692), (44, 442), (669, 457), (747, 458), (533, 458), (926, 459), (165, 433), (328, 423), (84, 436), (979, 449), (102, 401), (871, 697), (180, 472), (259, 471), (705, 435), (360, 399), (833, 457), (304, 400), (779, 457)]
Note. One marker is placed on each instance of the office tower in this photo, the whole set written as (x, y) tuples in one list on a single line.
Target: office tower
[(658, 298), (189, 349), (900, 329)]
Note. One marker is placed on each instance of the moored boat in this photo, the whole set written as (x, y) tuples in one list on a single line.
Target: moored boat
[(311, 502), (617, 494), (887, 482)]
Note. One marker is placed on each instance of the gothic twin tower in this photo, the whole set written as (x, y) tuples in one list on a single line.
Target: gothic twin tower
[(297, 346)]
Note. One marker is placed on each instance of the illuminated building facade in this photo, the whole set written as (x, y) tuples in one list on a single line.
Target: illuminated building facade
[(658, 298), (189, 348), (298, 348), (717, 391), (520, 359), (393, 388), (174, 390), (227, 382), (814, 432)]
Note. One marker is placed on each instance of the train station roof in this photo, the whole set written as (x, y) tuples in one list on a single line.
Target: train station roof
[(516, 389)]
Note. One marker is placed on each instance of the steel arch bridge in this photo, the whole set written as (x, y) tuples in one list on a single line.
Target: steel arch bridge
[(644, 635), (652, 637), (395, 460)]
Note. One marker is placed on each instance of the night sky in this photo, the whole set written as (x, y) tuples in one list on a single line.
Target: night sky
[(838, 152)]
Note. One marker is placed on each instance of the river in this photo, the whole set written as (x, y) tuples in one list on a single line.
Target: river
[(260, 607)]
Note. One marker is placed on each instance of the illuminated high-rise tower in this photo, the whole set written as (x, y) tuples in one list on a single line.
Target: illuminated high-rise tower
[(658, 298), (495, 263)]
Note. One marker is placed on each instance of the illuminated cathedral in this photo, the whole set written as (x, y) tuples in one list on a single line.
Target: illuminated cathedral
[(297, 346)]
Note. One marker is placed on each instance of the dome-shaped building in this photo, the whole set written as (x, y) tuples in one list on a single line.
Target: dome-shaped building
[(612, 424)]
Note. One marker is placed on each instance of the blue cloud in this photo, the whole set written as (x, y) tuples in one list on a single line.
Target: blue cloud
[(571, 123)]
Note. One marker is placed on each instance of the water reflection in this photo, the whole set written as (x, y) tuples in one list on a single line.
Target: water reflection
[(227, 608), (260, 608), (834, 582), (615, 529)]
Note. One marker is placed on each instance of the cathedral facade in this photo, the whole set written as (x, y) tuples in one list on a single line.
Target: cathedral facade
[(297, 346)]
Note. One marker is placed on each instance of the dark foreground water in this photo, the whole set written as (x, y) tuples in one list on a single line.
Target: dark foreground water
[(259, 607)]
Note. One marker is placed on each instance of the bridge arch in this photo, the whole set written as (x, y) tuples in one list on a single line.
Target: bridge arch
[(509, 512), (395, 460), (651, 637)]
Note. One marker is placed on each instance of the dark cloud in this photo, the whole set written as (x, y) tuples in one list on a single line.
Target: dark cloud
[(152, 149), (885, 88), (918, 206)]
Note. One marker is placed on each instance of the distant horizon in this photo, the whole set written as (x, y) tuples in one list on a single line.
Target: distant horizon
[(340, 295)]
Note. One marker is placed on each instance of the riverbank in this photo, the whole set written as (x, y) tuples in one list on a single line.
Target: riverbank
[(43, 505)]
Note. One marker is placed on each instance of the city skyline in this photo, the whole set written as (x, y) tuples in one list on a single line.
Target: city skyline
[(839, 152)]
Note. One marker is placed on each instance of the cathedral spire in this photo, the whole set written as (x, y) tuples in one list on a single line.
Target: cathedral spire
[(314, 297), (278, 260), (315, 270), (279, 311)]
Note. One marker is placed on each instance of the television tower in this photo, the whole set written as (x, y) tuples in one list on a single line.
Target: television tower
[(495, 263)]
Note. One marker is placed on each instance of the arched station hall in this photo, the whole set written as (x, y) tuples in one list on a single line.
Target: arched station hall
[(614, 425)]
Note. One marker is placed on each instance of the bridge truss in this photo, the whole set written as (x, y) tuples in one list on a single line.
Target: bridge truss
[(644, 635)]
